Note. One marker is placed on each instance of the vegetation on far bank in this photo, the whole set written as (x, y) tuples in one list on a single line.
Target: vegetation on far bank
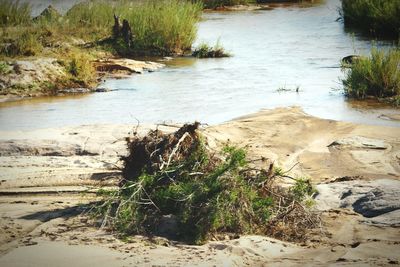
[(163, 27), (175, 186), (375, 76), (85, 33), (213, 4), (375, 17)]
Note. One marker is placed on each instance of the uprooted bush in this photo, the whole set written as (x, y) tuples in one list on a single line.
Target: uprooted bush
[(175, 186)]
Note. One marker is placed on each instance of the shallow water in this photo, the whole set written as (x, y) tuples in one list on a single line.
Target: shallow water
[(288, 48)]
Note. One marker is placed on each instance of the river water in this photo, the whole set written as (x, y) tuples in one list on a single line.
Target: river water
[(274, 52)]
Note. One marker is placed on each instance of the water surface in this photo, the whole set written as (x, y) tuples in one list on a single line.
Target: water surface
[(274, 52)]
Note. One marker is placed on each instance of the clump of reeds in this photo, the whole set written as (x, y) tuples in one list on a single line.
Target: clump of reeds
[(375, 17), (206, 51), (221, 3), (14, 13), (375, 76)]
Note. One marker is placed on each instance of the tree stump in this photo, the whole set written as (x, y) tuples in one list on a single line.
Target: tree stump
[(116, 30), (126, 33)]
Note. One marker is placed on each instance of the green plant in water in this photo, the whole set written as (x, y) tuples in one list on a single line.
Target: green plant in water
[(221, 3), (376, 76), (376, 17), (206, 51)]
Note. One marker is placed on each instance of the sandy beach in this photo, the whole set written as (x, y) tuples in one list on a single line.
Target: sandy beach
[(47, 176)]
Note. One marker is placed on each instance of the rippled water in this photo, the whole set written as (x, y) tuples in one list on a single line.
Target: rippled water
[(286, 47)]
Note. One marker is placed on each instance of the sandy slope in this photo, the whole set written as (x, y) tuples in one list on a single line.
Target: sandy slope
[(356, 167)]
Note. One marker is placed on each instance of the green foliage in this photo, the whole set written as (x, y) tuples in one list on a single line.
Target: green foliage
[(206, 51), (162, 27), (80, 67), (4, 68), (176, 178), (377, 75), (167, 26), (14, 13), (376, 17), (220, 3), (27, 44), (302, 189), (204, 198), (159, 27)]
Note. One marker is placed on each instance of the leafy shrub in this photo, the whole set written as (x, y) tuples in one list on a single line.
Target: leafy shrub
[(4, 68), (80, 67), (177, 176), (377, 75), (302, 188), (28, 44)]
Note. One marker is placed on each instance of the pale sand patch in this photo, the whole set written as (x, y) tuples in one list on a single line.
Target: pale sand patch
[(38, 229)]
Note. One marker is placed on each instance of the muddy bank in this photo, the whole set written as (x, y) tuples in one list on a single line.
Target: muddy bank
[(49, 76), (356, 169)]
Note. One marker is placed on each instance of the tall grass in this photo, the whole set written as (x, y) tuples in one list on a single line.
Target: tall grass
[(92, 13), (377, 75), (220, 3), (14, 13), (165, 26), (376, 17), (206, 51)]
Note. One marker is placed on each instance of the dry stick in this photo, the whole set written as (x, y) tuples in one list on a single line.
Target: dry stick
[(175, 149), (291, 167)]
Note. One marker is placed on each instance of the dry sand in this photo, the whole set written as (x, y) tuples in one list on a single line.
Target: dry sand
[(356, 168)]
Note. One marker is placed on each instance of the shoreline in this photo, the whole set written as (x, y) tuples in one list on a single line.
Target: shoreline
[(337, 156), (49, 71)]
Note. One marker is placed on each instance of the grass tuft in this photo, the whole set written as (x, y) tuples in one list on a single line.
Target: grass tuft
[(375, 17), (206, 51), (212, 4), (80, 67), (4, 68), (375, 76), (14, 13)]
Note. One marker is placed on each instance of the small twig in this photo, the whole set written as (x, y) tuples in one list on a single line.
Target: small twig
[(291, 168), (176, 148)]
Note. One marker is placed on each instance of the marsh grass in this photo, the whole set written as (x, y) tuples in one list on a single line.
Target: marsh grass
[(206, 51), (375, 76), (80, 68), (14, 13), (212, 4), (159, 27), (206, 194), (375, 17)]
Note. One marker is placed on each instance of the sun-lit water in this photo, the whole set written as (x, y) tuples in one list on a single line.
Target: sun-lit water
[(289, 48)]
